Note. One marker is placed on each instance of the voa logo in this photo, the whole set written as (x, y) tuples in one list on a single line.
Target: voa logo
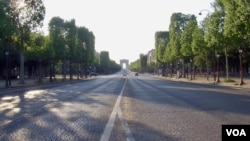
[(236, 132)]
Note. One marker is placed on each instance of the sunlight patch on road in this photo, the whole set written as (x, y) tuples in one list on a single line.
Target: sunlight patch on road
[(34, 93), (9, 107), (9, 103)]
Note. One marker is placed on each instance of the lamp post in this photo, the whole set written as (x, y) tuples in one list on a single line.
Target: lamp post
[(218, 71), (7, 69), (181, 68), (50, 71), (191, 69), (162, 70), (171, 69), (241, 68), (200, 13), (40, 71)]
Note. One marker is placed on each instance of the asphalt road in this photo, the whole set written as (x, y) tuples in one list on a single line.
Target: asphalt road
[(119, 108)]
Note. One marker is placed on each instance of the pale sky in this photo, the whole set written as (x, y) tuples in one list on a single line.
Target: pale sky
[(124, 28)]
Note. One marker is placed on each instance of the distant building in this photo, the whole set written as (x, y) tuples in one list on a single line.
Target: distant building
[(151, 56)]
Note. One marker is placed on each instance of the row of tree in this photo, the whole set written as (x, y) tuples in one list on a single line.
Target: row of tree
[(143, 65), (222, 34), (18, 19), (68, 49), (71, 46), (107, 65)]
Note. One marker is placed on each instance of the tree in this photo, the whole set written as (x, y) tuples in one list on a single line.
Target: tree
[(70, 39), (200, 50), (37, 52), (90, 47), (237, 22), (135, 66), (143, 62), (28, 15), (216, 34), (104, 61), (199, 47), (113, 66), (161, 41), (218, 19), (57, 33), (237, 26), (177, 25), (187, 38), (57, 41), (88, 40), (8, 25), (8, 29)]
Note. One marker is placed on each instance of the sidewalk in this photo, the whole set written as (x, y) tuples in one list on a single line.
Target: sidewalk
[(203, 80), (32, 82)]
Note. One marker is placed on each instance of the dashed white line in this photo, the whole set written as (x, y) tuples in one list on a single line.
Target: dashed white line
[(110, 125)]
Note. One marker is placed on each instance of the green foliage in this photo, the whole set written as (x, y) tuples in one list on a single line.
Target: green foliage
[(222, 31), (187, 38), (143, 62), (104, 61), (88, 39), (214, 29), (8, 25), (66, 42), (28, 16), (161, 41), (229, 80), (199, 48), (57, 41), (114, 67), (237, 22), (107, 65), (37, 47), (135, 66), (70, 39), (176, 28)]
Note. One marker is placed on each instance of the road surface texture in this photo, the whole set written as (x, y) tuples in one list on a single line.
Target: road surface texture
[(121, 107)]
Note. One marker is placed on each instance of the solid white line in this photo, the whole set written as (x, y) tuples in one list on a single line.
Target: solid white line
[(110, 125)]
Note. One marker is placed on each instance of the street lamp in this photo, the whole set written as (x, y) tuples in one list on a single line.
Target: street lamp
[(191, 69), (218, 71), (7, 69), (50, 71), (40, 71), (162, 70), (200, 13), (181, 68), (241, 68), (171, 69)]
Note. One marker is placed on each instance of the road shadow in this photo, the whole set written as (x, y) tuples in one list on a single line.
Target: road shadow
[(200, 97)]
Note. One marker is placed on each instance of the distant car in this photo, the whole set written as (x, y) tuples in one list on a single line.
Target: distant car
[(136, 74), (93, 74)]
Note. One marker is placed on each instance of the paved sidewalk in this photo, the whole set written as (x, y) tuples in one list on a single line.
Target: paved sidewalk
[(32, 82), (203, 80)]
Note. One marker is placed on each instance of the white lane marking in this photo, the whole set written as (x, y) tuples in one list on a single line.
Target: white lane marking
[(110, 125), (128, 133)]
